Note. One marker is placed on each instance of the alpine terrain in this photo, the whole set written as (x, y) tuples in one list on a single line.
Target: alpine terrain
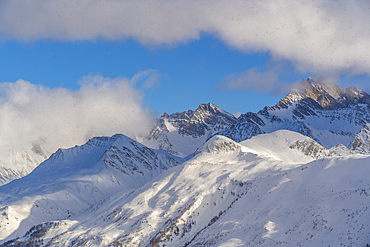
[(295, 174), (323, 112), (181, 133)]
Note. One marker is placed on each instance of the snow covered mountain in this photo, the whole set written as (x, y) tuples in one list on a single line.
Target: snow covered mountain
[(182, 133), (260, 192), (323, 112), (295, 174), (74, 180)]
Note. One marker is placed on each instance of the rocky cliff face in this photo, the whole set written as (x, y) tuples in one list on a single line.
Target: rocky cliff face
[(189, 128), (361, 142), (247, 126), (311, 148), (207, 119)]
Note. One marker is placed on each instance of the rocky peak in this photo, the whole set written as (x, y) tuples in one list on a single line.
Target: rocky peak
[(207, 117), (352, 95), (208, 108), (361, 142), (326, 94), (200, 114), (200, 124), (323, 94)]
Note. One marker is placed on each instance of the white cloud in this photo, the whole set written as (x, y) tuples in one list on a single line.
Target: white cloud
[(259, 79), (37, 118), (321, 36), (251, 79)]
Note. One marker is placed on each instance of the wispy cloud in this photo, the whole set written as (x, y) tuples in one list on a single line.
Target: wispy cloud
[(35, 118), (321, 36), (148, 78), (251, 79), (258, 79)]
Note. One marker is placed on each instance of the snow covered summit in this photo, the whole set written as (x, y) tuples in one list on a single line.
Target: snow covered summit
[(182, 133), (74, 180)]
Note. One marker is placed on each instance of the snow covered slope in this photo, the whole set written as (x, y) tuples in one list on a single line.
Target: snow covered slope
[(19, 163), (74, 180), (228, 194), (280, 145), (323, 112), (182, 133)]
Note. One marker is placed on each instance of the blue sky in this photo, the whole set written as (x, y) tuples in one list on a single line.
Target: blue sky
[(188, 74), (92, 67)]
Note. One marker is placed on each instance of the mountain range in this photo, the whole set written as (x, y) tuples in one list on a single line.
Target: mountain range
[(294, 174), (325, 113)]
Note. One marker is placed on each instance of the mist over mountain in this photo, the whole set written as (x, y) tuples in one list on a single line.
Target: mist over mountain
[(324, 112), (36, 120)]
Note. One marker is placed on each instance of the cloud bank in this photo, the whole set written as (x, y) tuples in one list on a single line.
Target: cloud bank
[(39, 120), (320, 36)]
